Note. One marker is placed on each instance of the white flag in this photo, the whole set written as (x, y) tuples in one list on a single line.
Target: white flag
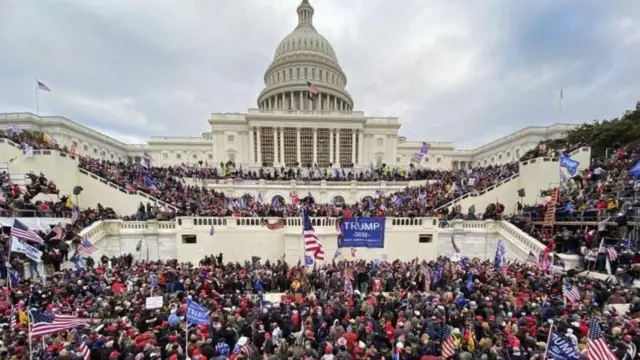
[(29, 251)]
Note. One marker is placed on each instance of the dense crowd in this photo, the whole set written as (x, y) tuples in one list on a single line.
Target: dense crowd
[(603, 195), (168, 184), (341, 310)]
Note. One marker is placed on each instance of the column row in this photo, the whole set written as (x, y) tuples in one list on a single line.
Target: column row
[(311, 144), (298, 100)]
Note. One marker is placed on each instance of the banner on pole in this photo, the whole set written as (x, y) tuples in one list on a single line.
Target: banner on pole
[(363, 232)]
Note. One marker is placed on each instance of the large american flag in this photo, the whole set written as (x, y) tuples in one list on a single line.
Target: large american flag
[(448, 343), (49, 323), (597, 348), (532, 258), (86, 247), (21, 231), (570, 291), (426, 275), (312, 243)]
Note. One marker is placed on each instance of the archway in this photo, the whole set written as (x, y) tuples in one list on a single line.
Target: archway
[(338, 200), (277, 201)]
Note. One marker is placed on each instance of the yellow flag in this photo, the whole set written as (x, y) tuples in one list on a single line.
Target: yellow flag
[(46, 138), (69, 203)]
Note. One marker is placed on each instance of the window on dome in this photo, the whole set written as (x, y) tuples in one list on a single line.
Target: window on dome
[(313, 73), (305, 73), (290, 74), (278, 78), (178, 156), (298, 73), (86, 148)]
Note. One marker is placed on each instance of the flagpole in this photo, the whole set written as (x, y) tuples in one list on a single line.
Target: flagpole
[(546, 350), (29, 327), (37, 100), (560, 105)]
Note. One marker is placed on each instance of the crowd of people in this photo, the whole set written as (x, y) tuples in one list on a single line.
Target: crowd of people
[(595, 214), (340, 310), (167, 184)]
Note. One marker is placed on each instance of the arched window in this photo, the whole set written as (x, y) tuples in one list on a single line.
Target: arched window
[(338, 200), (367, 199), (277, 201)]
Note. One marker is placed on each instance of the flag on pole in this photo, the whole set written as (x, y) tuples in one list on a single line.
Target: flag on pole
[(570, 291), (448, 343), (532, 258), (311, 241), (86, 247), (597, 348), (561, 94), (21, 231), (313, 90), (42, 86), (498, 262), (49, 323)]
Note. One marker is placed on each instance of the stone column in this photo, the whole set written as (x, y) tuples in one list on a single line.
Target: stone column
[(335, 102), (319, 107), (284, 107), (301, 106), (298, 146), (331, 132), (315, 145), (275, 145), (259, 144), (251, 151), (282, 146), (361, 147), (337, 147), (353, 147), (270, 105)]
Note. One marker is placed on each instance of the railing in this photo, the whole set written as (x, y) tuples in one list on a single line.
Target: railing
[(94, 176), (311, 183), (478, 193), (33, 213), (587, 218)]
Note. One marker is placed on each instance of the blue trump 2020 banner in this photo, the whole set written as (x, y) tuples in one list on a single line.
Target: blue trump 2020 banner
[(196, 314), (363, 232)]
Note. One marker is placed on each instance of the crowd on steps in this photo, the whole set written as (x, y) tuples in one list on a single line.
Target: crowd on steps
[(168, 184)]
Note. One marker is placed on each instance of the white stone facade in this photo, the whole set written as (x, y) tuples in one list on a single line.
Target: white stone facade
[(290, 127)]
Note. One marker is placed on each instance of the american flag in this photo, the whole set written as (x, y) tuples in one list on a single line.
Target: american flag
[(74, 214), (570, 291), (597, 348), (311, 241), (42, 86), (612, 254), (21, 231), (532, 258), (448, 343), (425, 148), (48, 323), (86, 352), (58, 233), (426, 276), (313, 89), (14, 319), (86, 247), (348, 286)]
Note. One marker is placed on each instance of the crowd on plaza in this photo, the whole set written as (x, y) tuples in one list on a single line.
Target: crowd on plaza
[(383, 310)]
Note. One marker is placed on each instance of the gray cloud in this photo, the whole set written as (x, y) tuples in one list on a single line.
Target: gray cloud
[(463, 71)]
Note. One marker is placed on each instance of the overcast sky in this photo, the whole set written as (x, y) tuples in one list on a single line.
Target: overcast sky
[(467, 71)]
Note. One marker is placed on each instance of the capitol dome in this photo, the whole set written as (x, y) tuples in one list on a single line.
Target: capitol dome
[(302, 57)]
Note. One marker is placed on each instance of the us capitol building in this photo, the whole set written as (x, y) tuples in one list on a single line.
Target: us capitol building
[(289, 127)]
